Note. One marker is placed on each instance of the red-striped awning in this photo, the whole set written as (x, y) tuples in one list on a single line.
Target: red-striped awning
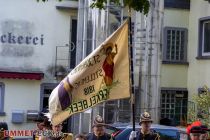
[(22, 75)]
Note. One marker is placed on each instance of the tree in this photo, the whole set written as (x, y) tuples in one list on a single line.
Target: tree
[(137, 5), (200, 108)]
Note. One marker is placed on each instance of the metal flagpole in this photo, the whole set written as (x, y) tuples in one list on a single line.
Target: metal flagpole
[(132, 72)]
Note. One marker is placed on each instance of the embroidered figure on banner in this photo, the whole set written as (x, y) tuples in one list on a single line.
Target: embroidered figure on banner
[(108, 65)]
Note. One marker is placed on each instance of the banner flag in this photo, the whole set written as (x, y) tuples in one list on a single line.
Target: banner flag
[(103, 75)]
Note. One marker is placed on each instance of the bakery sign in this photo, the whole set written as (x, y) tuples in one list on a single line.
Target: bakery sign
[(14, 39)]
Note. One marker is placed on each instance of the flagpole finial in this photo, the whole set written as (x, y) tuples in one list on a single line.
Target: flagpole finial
[(129, 12)]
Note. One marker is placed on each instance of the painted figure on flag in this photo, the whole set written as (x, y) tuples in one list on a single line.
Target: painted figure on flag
[(108, 65), (65, 95)]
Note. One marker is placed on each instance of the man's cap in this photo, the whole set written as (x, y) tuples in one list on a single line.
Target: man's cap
[(204, 128), (38, 119), (3, 126), (145, 117), (41, 116), (45, 123), (98, 121), (196, 129)]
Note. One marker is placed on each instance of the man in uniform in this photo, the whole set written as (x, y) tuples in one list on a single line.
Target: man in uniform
[(57, 130), (80, 137), (145, 133), (4, 127), (204, 133), (195, 133), (99, 130)]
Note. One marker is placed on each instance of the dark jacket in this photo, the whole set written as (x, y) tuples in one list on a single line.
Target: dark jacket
[(106, 136), (150, 136)]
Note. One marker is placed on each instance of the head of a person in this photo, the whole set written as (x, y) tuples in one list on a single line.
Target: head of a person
[(45, 125), (145, 121), (204, 134), (98, 126), (80, 137), (109, 50), (57, 128), (195, 133), (42, 121), (40, 125), (3, 127)]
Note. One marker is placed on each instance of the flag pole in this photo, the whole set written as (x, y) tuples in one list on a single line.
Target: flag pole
[(132, 72)]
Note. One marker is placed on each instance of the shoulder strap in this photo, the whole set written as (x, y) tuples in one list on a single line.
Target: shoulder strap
[(88, 135), (157, 136), (108, 136), (137, 134)]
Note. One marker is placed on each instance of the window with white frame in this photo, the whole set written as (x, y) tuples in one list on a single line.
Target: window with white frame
[(205, 38), (1, 98), (175, 44)]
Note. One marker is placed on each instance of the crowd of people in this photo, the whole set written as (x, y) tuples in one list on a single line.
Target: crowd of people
[(195, 131), (98, 133)]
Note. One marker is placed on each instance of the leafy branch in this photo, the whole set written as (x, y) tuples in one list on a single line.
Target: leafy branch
[(202, 103), (137, 5)]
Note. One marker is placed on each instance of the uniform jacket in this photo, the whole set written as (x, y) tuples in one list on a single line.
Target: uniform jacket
[(148, 136), (106, 136)]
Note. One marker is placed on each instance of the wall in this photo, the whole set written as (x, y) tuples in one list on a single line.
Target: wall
[(20, 95), (198, 73), (173, 75), (28, 18), (19, 21)]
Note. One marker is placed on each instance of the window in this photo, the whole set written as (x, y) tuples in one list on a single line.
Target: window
[(204, 35), (182, 4), (205, 39), (174, 105), (175, 45), (46, 89), (2, 99), (73, 43)]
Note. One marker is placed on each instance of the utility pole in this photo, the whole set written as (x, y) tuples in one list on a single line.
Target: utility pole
[(155, 23), (147, 47)]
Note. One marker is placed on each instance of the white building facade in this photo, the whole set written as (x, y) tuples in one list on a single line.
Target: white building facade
[(37, 41)]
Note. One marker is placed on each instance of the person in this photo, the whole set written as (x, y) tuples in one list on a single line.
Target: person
[(145, 133), (99, 130), (108, 65), (59, 135), (80, 137), (42, 128), (195, 133), (204, 134), (3, 127)]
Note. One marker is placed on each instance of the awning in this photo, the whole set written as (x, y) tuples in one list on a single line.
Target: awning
[(22, 75), (68, 5)]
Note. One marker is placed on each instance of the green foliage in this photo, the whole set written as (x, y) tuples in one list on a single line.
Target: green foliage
[(200, 109), (137, 5), (45, 0)]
